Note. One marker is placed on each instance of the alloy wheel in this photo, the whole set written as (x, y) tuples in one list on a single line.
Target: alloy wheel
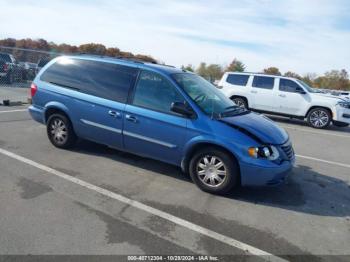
[(319, 118), (58, 131), (239, 102), (211, 171)]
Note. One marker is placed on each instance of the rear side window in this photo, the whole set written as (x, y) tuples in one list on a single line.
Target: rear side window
[(105, 80), (288, 86), (155, 92), (263, 82), (240, 80)]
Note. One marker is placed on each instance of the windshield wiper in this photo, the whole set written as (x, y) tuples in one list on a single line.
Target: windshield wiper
[(232, 111)]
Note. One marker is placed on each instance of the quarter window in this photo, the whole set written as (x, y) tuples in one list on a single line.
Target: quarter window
[(105, 80), (263, 82), (155, 92), (288, 86), (240, 80)]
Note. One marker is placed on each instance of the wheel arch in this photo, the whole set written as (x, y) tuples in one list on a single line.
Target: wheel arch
[(324, 107), (55, 107), (205, 144)]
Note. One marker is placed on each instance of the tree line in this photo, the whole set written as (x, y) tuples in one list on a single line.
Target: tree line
[(51, 49), (334, 79)]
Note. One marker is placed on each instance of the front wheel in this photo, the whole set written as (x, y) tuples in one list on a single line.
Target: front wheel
[(214, 171), (319, 118), (60, 131), (241, 102)]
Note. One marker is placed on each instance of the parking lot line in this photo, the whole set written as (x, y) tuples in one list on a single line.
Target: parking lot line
[(324, 161), (315, 132), (10, 111), (174, 219)]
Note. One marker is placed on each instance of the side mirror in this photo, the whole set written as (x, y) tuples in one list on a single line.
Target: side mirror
[(182, 109), (300, 90)]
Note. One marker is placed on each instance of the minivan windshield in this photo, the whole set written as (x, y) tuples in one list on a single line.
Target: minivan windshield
[(209, 99)]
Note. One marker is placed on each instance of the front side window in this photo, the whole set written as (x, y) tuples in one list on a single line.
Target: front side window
[(155, 92), (239, 80), (288, 86), (263, 82), (105, 80)]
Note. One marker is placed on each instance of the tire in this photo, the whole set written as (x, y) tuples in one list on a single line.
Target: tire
[(241, 102), (340, 124), (206, 176), (319, 118), (60, 131)]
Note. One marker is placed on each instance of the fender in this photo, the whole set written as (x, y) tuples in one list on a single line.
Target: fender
[(55, 105), (202, 139)]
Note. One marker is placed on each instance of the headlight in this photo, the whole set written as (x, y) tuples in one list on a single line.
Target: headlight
[(264, 152), (344, 104)]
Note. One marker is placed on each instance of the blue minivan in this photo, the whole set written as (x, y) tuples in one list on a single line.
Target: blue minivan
[(160, 112)]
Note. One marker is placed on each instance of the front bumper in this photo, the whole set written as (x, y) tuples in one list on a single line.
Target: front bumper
[(342, 114), (253, 175)]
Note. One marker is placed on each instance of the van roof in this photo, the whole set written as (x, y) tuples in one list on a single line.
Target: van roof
[(166, 69)]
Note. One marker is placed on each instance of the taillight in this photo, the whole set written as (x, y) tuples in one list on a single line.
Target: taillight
[(33, 89), (6, 67)]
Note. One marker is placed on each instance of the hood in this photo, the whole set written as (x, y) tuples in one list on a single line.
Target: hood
[(329, 97), (258, 127)]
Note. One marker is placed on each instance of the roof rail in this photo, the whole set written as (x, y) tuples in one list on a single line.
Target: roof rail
[(167, 65), (135, 60), (131, 59)]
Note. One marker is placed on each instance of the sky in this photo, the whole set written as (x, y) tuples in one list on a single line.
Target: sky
[(304, 36)]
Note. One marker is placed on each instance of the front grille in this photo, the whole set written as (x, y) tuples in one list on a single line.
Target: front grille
[(288, 150)]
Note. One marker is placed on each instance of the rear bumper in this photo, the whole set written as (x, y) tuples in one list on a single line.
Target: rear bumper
[(253, 175), (37, 114), (2, 74)]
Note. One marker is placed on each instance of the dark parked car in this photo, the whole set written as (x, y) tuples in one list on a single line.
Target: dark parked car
[(10, 70), (28, 70)]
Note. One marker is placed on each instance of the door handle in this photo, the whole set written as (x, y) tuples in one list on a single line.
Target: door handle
[(113, 113), (254, 92), (131, 118), (281, 95)]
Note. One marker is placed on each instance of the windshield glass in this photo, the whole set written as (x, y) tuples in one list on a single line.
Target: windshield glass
[(206, 95), (307, 87), (5, 57)]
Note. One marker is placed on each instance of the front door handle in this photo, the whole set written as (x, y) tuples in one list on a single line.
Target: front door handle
[(254, 92), (131, 118), (281, 95), (113, 113)]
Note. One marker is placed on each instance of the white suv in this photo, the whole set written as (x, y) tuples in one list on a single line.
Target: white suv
[(285, 96)]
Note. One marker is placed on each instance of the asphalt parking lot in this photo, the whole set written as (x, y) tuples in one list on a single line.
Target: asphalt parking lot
[(96, 200)]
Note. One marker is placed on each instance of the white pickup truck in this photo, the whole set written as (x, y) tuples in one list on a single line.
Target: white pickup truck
[(286, 97)]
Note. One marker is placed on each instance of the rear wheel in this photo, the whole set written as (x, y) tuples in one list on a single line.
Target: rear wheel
[(319, 118), (214, 171), (60, 131), (241, 102)]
